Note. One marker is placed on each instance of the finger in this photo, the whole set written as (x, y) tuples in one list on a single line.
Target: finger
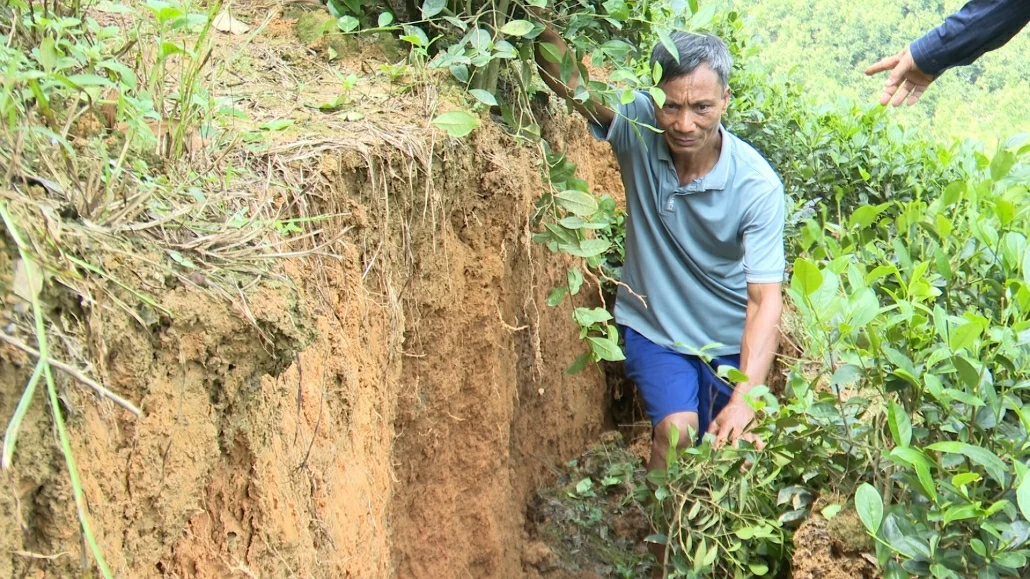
[(888, 92), (713, 428), (755, 440), (883, 64), (722, 435), (901, 94), (918, 92)]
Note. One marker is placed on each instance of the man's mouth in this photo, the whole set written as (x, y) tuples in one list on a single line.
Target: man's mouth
[(684, 141)]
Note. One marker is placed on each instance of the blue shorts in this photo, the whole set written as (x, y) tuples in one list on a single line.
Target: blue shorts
[(671, 382)]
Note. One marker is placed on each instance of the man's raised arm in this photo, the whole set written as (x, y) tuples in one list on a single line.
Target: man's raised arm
[(594, 111)]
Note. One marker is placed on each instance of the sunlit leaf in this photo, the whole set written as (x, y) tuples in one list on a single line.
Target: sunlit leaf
[(483, 96), (579, 203), (456, 123), (605, 349), (1023, 497), (807, 277), (869, 506), (670, 46), (517, 28)]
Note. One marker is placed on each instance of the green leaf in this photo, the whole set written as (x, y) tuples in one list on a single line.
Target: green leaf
[(277, 125), (1002, 164), (846, 374), (830, 511), (456, 123), (656, 76), (1023, 497), (994, 466), (900, 424), (870, 507), (460, 72), (556, 296), (1011, 560), (580, 364), (483, 96), (917, 460), (807, 276), (347, 23), (517, 28), (46, 54), (758, 568), (658, 95), (550, 52), (538, 3), (671, 454), (589, 316), (666, 40), (605, 349), (588, 247), (575, 279), (431, 8), (865, 215), (578, 202), (584, 486), (965, 335), (385, 19)]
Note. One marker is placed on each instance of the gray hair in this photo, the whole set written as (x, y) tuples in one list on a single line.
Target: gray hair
[(694, 50)]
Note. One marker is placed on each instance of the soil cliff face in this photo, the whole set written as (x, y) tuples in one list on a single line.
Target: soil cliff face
[(385, 412)]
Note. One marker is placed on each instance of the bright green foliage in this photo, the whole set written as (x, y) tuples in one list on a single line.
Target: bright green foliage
[(928, 303), (826, 45)]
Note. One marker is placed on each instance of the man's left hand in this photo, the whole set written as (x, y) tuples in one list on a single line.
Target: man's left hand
[(734, 423)]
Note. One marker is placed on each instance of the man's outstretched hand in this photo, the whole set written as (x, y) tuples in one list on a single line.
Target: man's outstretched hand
[(905, 82)]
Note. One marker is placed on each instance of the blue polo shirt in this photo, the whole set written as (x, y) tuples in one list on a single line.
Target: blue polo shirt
[(691, 250)]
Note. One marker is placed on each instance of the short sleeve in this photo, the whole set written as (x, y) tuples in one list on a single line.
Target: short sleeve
[(764, 260), (630, 121)]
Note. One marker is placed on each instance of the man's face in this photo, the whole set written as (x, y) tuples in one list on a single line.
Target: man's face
[(694, 104)]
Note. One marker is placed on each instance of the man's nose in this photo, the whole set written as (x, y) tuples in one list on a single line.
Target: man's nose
[(685, 122)]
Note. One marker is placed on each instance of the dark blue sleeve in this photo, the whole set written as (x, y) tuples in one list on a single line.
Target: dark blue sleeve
[(980, 26)]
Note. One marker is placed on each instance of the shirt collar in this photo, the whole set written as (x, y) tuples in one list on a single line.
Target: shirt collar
[(716, 178)]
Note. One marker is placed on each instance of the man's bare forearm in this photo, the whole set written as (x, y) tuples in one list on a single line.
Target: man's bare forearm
[(761, 336), (550, 72)]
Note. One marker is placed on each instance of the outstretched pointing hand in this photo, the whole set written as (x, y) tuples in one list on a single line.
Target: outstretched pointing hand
[(905, 79)]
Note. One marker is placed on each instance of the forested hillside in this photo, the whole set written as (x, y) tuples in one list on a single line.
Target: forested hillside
[(826, 44)]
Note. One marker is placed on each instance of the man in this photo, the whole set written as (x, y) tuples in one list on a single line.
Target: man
[(979, 27), (704, 243)]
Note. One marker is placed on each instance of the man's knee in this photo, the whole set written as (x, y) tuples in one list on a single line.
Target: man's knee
[(683, 423)]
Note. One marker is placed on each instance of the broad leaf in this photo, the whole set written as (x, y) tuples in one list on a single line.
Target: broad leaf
[(431, 8), (578, 202), (605, 349), (517, 28), (870, 507), (900, 424), (994, 466), (456, 123), (483, 96), (807, 278), (1023, 497)]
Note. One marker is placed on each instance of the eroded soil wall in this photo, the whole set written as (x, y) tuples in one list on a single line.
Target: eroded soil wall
[(384, 412)]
